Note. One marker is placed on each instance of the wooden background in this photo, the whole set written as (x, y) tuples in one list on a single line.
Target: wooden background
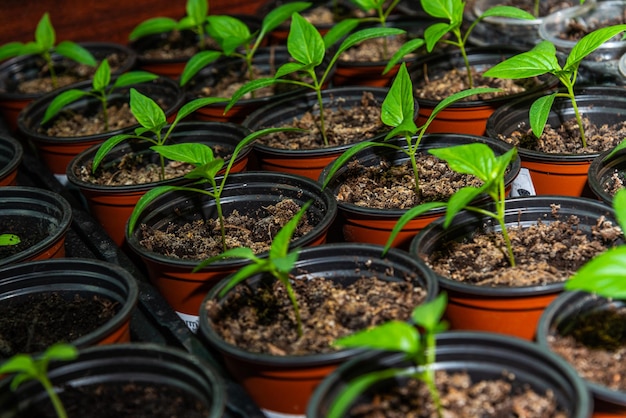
[(98, 20)]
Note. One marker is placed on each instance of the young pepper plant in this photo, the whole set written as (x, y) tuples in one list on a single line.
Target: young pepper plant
[(45, 45), (381, 14), (398, 112), (152, 120), (308, 49), (279, 262), (397, 336), (28, 368), (9, 239), (542, 59), (101, 90)]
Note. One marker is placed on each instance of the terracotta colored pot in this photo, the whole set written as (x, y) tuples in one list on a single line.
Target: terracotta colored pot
[(284, 384), (364, 224), (562, 313), (469, 117), (29, 67), (112, 205), (484, 356), (57, 152), (44, 212), (173, 277), (309, 162), (507, 310), (69, 276), (11, 153), (562, 174)]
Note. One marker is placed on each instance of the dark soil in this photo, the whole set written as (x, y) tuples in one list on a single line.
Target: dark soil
[(29, 231), (201, 238), (615, 183), (595, 344), (32, 323), (565, 139), (262, 319), (548, 252), (461, 397), (176, 45), (374, 50), (71, 124), (124, 400), (577, 28), (545, 7)]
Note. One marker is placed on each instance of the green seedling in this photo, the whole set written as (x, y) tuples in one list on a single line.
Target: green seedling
[(28, 368), (453, 12), (480, 161), (542, 59), (195, 20), (101, 89), (206, 170), (381, 13), (308, 48), (604, 274), (153, 121), (397, 336), (279, 262), (398, 112), (536, 7), (44, 46), (236, 40), (9, 239)]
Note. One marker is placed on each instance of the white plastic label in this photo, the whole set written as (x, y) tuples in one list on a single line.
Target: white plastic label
[(522, 184), (274, 414), (192, 321)]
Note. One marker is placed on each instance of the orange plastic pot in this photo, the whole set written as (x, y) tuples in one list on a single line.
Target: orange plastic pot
[(560, 176), (503, 309), (245, 192), (11, 153), (113, 205)]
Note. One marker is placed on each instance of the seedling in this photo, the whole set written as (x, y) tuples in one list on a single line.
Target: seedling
[(279, 262), (101, 90), (536, 7), (206, 170), (604, 274), (542, 59), (152, 120), (195, 20), (381, 13), (402, 337), (453, 12), (308, 48), (9, 239), (28, 368), (398, 111), (232, 35), (44, 45)]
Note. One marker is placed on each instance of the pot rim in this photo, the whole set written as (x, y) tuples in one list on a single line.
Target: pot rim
[(15, 159)]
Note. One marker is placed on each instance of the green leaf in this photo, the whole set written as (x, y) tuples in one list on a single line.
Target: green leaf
[(429, 314), (615, 150), (508, 12), (390, 336), (133, 77), (474, 158), (229, 32), (152, 26), (304, 42), (14, 49), (366, 5), (188, 152), (247, 88), (60, 101), (258, 266), (206, 171), (145, 200), (459, 201), (408, 216), (398, 108), (146, 111), (102, 77), (365, 34), (45, 36), (539, 60), (280, 14), (604, 275), (106, 147), (75, 52), (197, 63), (434, 33), (619, 204), (339, 30), (197, 11), (19, 363), (285, 264), (61, 351), (539, 112), (443, 9), (590, 43), (280, 243), (196, 104), (404, 50), (9, 239), (288, 68)]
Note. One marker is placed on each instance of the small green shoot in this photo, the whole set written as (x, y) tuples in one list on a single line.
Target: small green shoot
[(44, 45), (398, 336), (28, 368), (9, 239), (381, 14), (152, 120), (605, 274), (279, 262), (233, 36), (542, 59), (308, 49), (101, 90)]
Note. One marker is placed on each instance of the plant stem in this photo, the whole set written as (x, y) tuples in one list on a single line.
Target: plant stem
[(500, 207), (284, 278), (220, 217), (105, 112), (430, 372), (412, 150), (54, 398), (320, 102), (53, 75), (579, 120)]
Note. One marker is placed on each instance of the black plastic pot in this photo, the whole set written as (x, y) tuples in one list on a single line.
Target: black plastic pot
[(11, 153), (19, 69), (27, 211), (245, 192), (484, 356), (57, 152), (564, 174), (67, 277), (602, 171), (365, 224), (283, 384), (562, 314), (504, 309), (120, 364), (306, 162)]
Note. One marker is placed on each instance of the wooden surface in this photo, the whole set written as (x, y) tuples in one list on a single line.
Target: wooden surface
[(98, 20)]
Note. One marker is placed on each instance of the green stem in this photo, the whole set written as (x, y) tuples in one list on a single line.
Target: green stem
[(536, 9), (320, 102), (412, 151), (220, 217), (284, 278), (105, 112), (54, 398), (579, 120), (430, 372), (53, 74), (500, 204)]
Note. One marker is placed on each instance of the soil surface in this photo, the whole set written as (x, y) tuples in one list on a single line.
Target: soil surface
[(32, 323), (374, 50), (72, 124), (577, 28), (545, 7), (547, 252), (29, 231), (461, 397), (262, 319), (176, 45)]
